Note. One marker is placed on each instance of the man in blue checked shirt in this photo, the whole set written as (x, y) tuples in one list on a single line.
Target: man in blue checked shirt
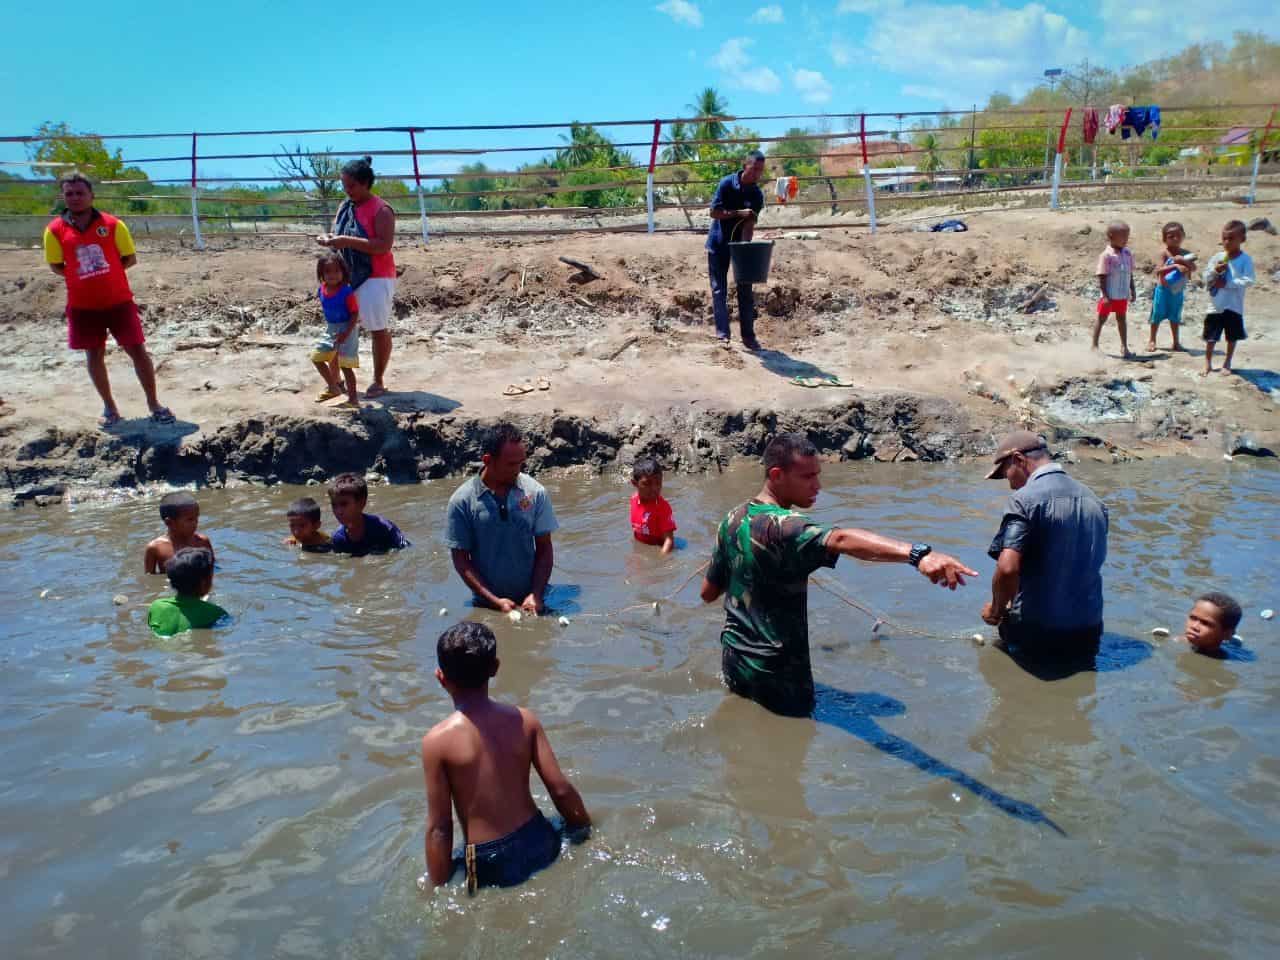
[(734, 210)]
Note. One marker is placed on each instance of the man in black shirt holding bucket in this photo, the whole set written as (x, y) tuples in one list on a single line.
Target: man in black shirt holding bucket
[(734, 209)]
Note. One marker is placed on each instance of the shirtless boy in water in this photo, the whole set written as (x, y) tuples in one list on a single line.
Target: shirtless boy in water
[(477, 759), (181, 516)]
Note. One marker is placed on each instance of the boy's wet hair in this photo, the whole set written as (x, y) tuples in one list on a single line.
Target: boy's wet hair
[(361, 170), (305, 507), (1172, 225), (1237, 226), (348, 485), (1227, 606), (499, 437), (336, 259), (189, 569), (172, 504), (784, 449), (646, 467), (466, 653)]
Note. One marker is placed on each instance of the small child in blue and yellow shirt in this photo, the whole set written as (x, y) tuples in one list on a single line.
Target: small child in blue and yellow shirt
[(340, 347)]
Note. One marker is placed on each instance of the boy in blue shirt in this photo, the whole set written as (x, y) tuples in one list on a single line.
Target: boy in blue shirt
[(360, 533)]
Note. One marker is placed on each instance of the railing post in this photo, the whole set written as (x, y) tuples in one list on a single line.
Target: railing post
[(653, 159), (866, 173), (1057, 161), (417, 179), (195, 203)]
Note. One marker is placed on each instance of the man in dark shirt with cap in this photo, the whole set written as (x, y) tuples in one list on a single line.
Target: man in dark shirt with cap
[(1046, 595), (734, 208)]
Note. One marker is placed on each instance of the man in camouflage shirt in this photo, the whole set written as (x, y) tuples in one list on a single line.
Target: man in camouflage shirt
[(764, 553)]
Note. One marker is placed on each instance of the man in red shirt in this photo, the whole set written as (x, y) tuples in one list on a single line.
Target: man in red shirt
[(92, 250)]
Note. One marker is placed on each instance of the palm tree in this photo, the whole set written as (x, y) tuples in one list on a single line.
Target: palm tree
[(679, 151), (931, 158), (586, 146), (712, 107)]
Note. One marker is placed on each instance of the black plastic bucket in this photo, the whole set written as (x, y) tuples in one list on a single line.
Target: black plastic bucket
[(751, 261)]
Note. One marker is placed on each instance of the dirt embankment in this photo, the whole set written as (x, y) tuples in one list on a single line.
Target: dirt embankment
[(947, 339)]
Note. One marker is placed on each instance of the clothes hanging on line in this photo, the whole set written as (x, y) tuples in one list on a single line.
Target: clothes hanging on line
[(1090, 125), (1115, 117), (1137, 119)]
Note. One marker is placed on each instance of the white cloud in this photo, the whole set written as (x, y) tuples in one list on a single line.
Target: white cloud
[(741, 71), (842, 51), (812, 85), (1143, 29), (770, 14), (681, 11), (867, 6), (971, 52)]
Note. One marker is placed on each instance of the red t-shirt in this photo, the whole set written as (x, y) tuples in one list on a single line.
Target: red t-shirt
[(651, 521)]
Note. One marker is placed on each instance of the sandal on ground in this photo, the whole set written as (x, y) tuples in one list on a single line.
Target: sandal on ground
[(374, 390), (347, 406), (810, 382), (109, 420), (834, 381), (327, 394), (517, 389), (543, 383), (162, 416)]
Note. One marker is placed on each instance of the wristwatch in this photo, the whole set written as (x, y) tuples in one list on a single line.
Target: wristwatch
[(918, 552)]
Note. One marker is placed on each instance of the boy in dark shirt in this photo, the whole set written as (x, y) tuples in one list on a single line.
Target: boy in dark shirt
[(360, 533), (190, 573), (478, 759)]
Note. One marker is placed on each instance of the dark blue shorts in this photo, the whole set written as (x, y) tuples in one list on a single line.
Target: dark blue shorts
[(513, 859)]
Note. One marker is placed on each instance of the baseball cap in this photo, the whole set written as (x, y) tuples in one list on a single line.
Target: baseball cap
[(1019, 441)]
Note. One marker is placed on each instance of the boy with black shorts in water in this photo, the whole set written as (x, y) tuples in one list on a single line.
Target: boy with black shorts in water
[(477, 760), (1228, 274), (181, 515)]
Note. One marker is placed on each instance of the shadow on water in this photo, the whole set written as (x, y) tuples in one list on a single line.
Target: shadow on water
[(857, 713), (1114, 653)]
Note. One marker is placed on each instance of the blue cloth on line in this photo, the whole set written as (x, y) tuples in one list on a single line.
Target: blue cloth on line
[(1138, 119)]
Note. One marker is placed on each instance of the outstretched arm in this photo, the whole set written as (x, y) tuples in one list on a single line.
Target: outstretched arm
[(940, 568), (563, 793), (439, 839)]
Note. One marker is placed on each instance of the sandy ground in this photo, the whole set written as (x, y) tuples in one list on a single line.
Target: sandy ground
[(903, 311)]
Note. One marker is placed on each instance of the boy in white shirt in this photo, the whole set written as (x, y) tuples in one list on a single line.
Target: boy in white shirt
[(1228, 275)]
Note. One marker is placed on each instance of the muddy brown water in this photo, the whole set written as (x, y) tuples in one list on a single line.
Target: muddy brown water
[(255, 791)]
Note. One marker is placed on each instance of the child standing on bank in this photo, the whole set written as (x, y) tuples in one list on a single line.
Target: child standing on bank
[(1115, 278), (1171, 273), (651, 519), (1229, 274), (340, 347)]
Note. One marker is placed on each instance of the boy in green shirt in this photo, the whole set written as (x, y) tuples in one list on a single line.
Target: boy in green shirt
[(190, 573)]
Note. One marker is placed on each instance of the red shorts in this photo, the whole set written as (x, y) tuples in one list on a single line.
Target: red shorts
[(1119, 307), (87, 329)]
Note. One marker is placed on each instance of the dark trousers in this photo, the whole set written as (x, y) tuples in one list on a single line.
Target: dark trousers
[(718, 268)]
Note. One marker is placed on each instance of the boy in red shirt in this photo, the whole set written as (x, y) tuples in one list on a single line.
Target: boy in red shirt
[(92, 250), (651, 517)]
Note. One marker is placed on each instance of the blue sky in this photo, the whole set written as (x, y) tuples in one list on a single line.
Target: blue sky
[(254, 65)]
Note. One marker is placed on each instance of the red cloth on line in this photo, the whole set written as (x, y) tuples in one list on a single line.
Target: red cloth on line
[(1090, 125), (651, 522)]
